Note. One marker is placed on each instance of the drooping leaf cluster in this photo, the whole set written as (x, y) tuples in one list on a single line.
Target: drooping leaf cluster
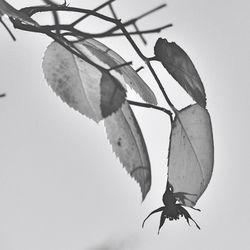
[(92, 78)]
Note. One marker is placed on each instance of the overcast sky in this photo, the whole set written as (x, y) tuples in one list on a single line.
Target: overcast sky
[(62, 188)]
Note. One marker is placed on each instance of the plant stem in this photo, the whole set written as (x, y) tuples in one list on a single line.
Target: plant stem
[(160, 85), (75, 32), (7, 28), (140, 34), (112, 11), (151, 11), (55, 16), (119, 25), (147, 105), (96, 9)]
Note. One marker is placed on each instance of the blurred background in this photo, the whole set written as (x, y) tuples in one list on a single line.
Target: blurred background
[(61, 186)]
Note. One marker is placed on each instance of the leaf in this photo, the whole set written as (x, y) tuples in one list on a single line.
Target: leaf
[(181, 68), (129, 146), (91, 91), (191, 153), (108, 57), (10, 11)]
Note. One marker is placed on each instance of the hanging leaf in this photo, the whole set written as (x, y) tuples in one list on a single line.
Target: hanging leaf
[(191, 154), (129, 146), (100, 53), (179, 65), (10, 11), (91, 91)]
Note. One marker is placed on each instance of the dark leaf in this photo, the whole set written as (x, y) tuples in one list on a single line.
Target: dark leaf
[(179, 65)]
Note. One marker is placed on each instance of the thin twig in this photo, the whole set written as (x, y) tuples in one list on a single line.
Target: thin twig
[(149, 31), (160, 85), (152, 11), (55, 16), (39, 9), (119, 25), (147, 105), (112, 11), (134, 20), (96, 9), (75, 32), (140, 34), (7, 28)]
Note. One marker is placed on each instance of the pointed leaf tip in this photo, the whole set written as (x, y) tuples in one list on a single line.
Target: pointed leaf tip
[(91, 91), (128, 143), (181, 68)]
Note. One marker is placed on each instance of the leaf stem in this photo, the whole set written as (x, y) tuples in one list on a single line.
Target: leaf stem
[(160, 86), (147, 105)]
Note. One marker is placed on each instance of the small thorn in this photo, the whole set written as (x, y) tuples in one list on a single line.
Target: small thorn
[(120, 65), (137, 70)]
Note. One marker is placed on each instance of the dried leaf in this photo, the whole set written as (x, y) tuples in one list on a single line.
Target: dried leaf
[(179, 65), (91, 91), (191, 154), (111, 59), (129, 146), (10, 11)]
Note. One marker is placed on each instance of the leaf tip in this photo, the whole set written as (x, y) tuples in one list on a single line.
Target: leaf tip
[(142, 175)]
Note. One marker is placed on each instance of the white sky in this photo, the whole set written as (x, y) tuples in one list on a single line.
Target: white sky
[(61, 187)]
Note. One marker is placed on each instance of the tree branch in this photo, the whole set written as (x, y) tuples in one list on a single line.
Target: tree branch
[(96, 9), (119, 26)]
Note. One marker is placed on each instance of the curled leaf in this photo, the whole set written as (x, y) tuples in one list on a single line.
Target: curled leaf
[(90, 90), (191, 154), (129, 146), (179, 65), (100, 53), (10, 11)]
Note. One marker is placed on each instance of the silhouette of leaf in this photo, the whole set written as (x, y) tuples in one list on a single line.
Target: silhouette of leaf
[(91, 91), (10, 11), (179, 65), (98, 52), (129, 146), (191, 153)]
